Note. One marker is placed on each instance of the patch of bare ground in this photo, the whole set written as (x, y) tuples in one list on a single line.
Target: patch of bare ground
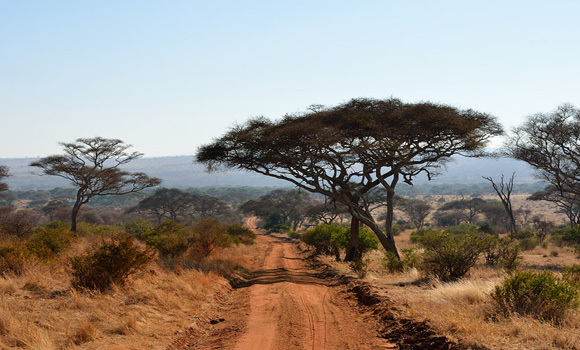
[(287, 303)]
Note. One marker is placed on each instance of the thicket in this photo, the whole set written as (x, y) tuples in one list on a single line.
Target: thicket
[(331, 239), (110, 263), (450, 257), (538, 294)]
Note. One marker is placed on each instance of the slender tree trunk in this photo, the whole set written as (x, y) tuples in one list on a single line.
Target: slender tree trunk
[(75, 212), (352, 250)]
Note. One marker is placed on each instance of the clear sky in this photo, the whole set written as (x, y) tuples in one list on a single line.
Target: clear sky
[(167, 76)]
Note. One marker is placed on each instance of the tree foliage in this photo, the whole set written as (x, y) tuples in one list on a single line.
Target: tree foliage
[(345, 151), (550, 143), (93, 166), (3, 174)]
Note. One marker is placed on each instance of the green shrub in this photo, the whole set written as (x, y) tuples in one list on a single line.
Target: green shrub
[(85, 229), (209, 234), (416, 235), (450, 257), (294, 234), (110, 263), (359, 266), (572, 275), (567, 236), (526, 234), (462, 229), (528, 243), (410, 259), (13, 258), (392, 263), (540, 295), (50, 240), (278, 228), (327, 239), (486, 228), (396, 230), (170, 238), (241, 234), (510, 257), (138, 227)]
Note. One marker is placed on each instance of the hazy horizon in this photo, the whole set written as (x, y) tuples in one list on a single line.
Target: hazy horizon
[(168, 77)]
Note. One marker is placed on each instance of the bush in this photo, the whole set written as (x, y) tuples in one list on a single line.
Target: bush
[(410, 259), (359, 266), (463, 228), (19, 224), (111, 263), (241, 234), (528, 243), (13, 259), (416, 235), (327, 239), (572, 275), (85, 229), (450, 257), (209, 233), (50, 240), (138, 227), (392, 263), (170, 238), (567, 236), (540, 295)]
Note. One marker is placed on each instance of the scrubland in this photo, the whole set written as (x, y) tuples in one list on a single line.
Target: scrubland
[(40, 310)]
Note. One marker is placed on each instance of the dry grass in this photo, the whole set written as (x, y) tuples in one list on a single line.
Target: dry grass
[(463, 310), (39, 309)]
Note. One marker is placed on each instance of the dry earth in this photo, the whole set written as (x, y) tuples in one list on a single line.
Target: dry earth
[(288, 304)]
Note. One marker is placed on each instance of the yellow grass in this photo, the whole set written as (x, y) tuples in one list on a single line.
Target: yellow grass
[(40, 310)]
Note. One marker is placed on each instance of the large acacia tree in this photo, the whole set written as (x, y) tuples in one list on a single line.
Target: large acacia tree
[(550, 143), (93, 166), (345, 151)]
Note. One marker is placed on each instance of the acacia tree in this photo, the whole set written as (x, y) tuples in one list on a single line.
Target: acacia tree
[(467, 209), (93, 166), (417, 211), (288, 205), (345, 151), (3, 173), (569, 203), (164, 203), (550, 143)]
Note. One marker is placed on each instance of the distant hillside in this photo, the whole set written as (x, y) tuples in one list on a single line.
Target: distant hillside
[(182, 172)]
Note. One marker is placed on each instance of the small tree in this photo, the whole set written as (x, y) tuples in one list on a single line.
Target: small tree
[(504, 191), (3, 173), (94, 167), (417, 211)]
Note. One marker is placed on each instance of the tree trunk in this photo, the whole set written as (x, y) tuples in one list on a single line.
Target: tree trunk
[(75, 212), (352, 250)]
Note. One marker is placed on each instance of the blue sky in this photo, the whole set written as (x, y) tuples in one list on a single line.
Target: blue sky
[(168, 76)]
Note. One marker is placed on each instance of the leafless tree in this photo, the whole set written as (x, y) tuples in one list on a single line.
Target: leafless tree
[(504, 191)]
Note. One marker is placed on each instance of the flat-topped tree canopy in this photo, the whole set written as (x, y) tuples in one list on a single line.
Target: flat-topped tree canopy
[(93, 166), (344, 151)]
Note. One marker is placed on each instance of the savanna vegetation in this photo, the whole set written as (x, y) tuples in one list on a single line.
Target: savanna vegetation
[(118, 259)]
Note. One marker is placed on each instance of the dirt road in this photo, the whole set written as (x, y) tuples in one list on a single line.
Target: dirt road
[(284, 305)]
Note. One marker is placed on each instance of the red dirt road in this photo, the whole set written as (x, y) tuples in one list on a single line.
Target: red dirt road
[(291, 308)]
